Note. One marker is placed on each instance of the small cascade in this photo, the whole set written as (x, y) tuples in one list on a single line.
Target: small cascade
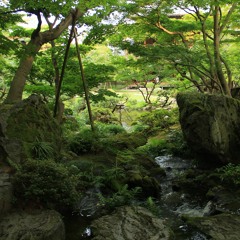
[(173, 166), (173, 204)]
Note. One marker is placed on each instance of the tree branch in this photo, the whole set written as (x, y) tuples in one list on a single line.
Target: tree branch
[(48, 36), (231, 10)]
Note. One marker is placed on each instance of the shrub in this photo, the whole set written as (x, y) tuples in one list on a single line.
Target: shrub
[(68, 111), (84, 141), (41, 149), (103, 115), (158, 119), (122, 197), (70, 124), (173, 144), (156, 147), (45, 183), (152, 206), (177, 145), (230, 174), (109, 129), (123, 141)]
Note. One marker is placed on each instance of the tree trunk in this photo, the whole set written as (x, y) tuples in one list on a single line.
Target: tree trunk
[(218, 62), (33, 47), (25, 66)]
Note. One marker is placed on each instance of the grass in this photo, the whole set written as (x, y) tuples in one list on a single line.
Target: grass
[(134, 94)]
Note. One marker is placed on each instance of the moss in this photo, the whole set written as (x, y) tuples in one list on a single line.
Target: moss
[(28, 125), (210, 125)]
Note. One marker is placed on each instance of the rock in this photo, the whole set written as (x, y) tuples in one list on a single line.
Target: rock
[(211, 126), (24, 123), (6, 193), (44, 225), (226, 200), (130, 223), (149, 185), (218, 227), (89, 205)]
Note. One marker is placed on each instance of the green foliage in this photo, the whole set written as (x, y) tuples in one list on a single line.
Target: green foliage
[(156, 147), (137, 127), (158, 119), (45, 183), (84, 142), (124, 141), (90, 173), (151, 205), (44, 5), (103, 115), (101, 95), (94, 75), (98, 33), (42, 89), (177, 144), (173, 143), (69, 126), (230, 174), (41, 150), (179, 43), (122, 197), (109, 129)]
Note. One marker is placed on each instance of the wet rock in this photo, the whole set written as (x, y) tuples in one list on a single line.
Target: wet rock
[(44, 225), (130, 223), (89, 205), (172, 199), (225, 200), (218, 227), (193, 210), (149, 185), (211, 126)]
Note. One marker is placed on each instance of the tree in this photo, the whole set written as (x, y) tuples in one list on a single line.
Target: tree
[(194, 42), (142, 74), (70, 11)]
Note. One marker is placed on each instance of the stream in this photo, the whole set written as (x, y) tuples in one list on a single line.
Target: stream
[(172, 206)]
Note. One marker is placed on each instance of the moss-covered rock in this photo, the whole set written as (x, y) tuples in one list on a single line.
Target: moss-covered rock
[(219, 227), (211, 125), (44, 224), (128, 223), (226, 199), (27, 129)]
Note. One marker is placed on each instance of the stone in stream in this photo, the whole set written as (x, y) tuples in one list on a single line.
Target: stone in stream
[(130, 223)]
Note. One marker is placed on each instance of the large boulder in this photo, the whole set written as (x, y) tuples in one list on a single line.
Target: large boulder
[(211, 125), (42, 225), (130, 223), (219, 227), (25, 127)]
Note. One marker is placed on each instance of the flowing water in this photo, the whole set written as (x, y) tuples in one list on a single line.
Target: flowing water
[(172, 206)]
